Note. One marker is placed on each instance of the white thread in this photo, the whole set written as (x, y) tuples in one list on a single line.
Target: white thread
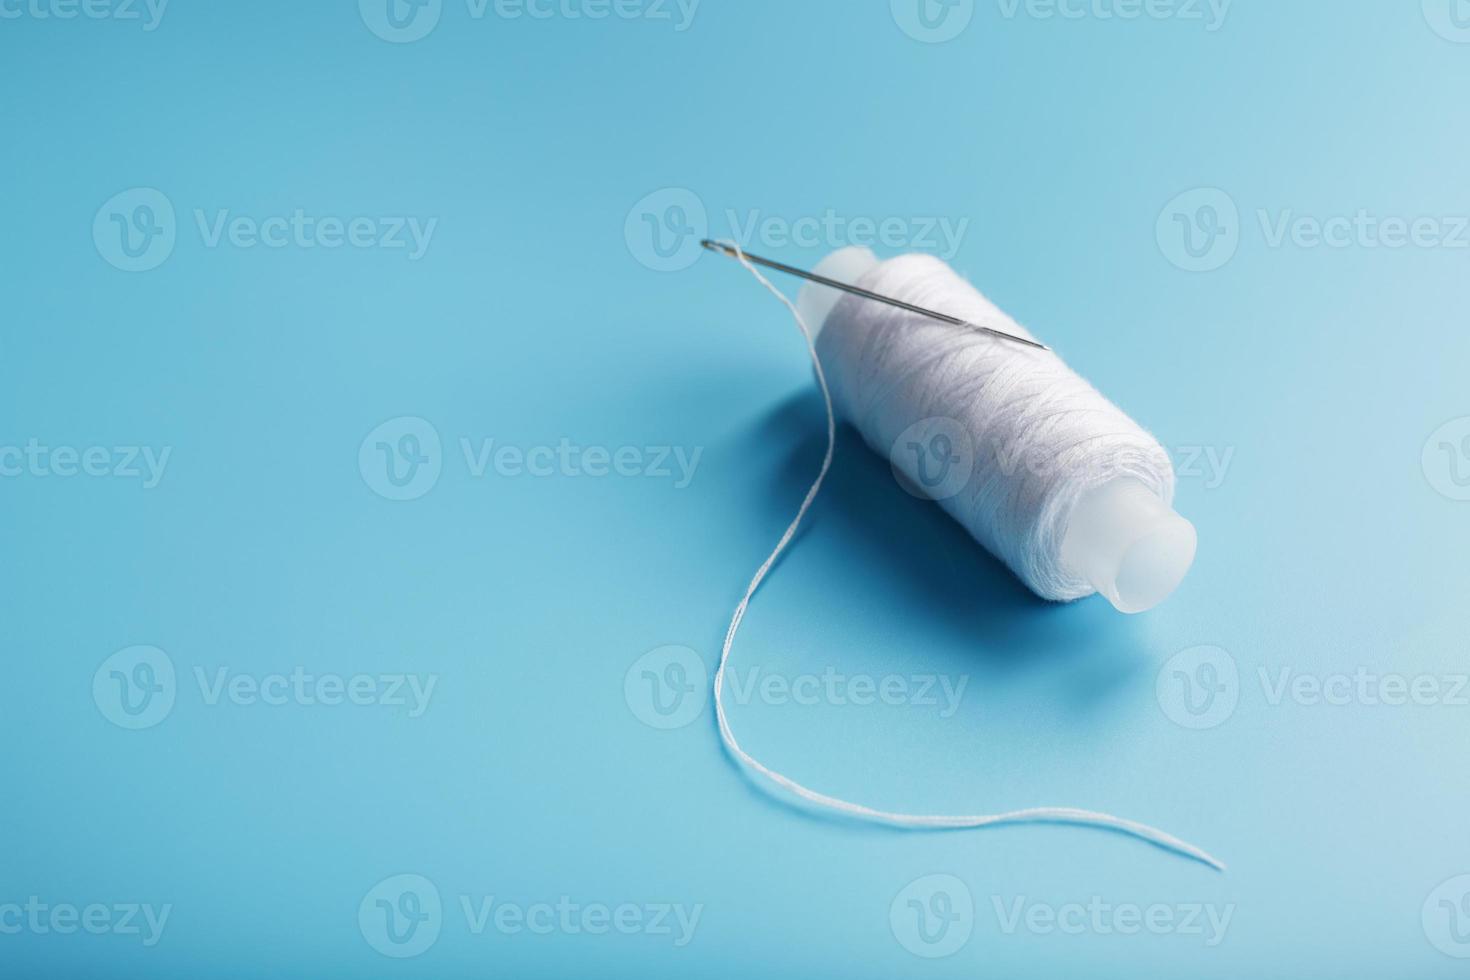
[(1040, 434), (1070, 815)]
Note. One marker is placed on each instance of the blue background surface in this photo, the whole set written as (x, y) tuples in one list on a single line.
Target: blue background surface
[(539, 313)]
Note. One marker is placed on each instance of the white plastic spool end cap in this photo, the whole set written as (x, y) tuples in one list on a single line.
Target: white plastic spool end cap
[(846, 265), (1130, 545)]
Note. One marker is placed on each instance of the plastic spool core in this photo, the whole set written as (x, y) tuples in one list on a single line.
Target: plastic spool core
[(1129, 544), (1121, 538)]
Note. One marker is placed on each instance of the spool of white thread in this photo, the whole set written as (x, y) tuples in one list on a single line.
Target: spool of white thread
[(1099, 519)]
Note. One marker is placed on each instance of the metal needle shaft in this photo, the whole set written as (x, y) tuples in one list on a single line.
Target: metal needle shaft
[(724, 249)]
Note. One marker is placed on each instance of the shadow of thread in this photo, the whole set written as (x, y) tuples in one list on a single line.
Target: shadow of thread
[(918, 559)]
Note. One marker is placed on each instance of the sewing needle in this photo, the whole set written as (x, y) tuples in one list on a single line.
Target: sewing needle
[(731, 251)]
